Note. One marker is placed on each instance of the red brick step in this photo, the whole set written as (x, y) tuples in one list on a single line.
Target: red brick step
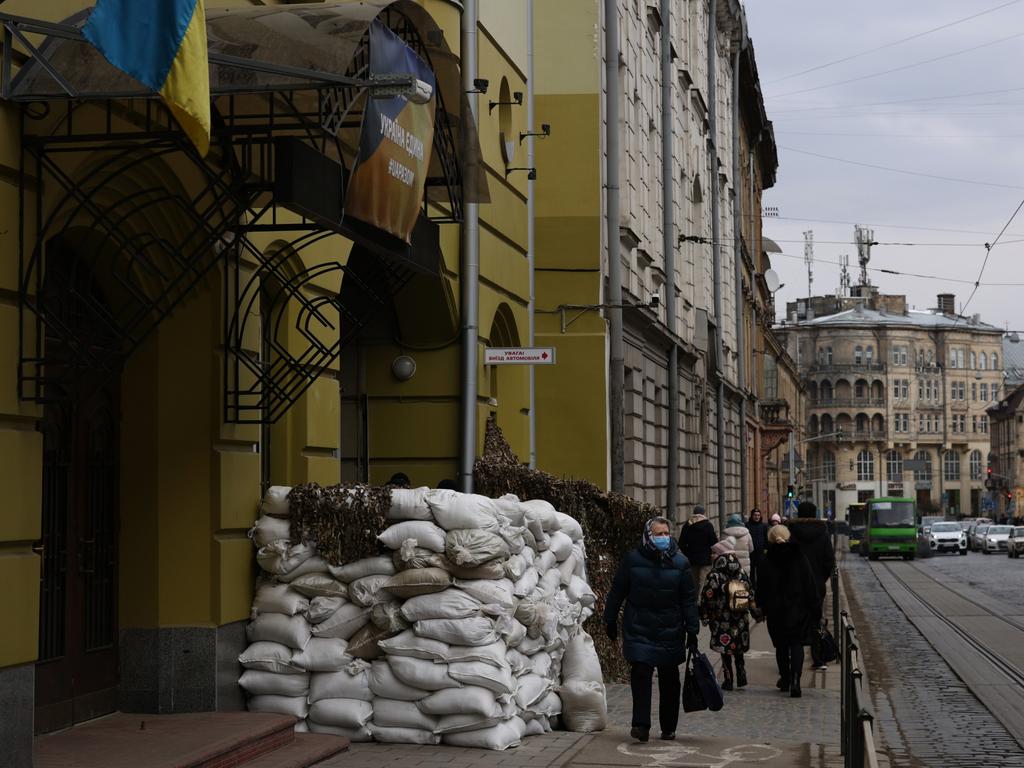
[(307, 749)]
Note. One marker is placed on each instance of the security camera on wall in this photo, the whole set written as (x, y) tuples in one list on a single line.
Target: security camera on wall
[(655, 300)]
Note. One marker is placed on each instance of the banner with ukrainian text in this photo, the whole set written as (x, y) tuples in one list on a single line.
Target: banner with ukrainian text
[(390, 172)]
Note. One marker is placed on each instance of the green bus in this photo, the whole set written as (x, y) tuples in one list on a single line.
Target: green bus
[(891, 527)]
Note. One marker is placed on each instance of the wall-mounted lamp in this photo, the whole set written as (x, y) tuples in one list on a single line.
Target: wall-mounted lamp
[(480, 85), (403, 367), (531, 175), (517, 100), (545, 131)]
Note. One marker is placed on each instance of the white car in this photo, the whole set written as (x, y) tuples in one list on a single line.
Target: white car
[(947, 537), (1015, 544), (996, 538)]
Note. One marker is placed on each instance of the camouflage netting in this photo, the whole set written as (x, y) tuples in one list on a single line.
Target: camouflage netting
[(612, 525), (344, 520)]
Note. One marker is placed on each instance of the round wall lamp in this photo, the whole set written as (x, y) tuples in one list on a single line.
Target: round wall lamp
[(403, 367)]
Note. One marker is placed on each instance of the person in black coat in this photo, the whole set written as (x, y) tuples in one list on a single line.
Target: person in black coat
[(759, 537), (787, 594), (695, 542), (656, 585), (815, 542)]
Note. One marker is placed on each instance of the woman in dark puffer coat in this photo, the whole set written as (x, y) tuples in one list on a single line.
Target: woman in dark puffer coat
[(787, 593), (655, 583)]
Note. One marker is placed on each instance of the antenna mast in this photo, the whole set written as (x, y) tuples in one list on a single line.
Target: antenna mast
[(809, 260), (844, 275), (865, 239)]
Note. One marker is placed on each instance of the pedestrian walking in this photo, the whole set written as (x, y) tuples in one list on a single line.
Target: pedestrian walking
[(660, 623), (815, 542), (743, 544), (759, 538), (788, 596), (696, 539), (726, 603)]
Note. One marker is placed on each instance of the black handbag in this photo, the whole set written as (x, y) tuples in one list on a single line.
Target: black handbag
[(693, 699), (823, 646)]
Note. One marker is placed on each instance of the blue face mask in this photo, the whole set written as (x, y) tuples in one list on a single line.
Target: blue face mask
[(662, 542)]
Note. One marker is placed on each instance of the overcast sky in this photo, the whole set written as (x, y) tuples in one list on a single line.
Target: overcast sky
[(973, 138)]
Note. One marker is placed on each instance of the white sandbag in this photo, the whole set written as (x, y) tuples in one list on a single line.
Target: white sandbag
[(268, 529), (581, 661), (384, 684), (508, 733), (464, 723), (560, 544), (295, 706), (302, 726), (542, 664), (471, 700), (550, 583), (257, 682), (452, 510), (534, 727), (418, 581), (532, 688), (425, 534), (492, 653), (569, 526), (480, 673), (526, 583), (270, 657), (355, 735), (567, 568), (341, 713), (515, 567), (292, 631), (471, 547), (322, 608), (519, 662), (491, 593), (368, 566), (422, 674), (510, 508), (386, 735), (449, 604), (392, 713), (409, 504), (323, 654), (344, 622), (493, 569), (318, 585), (476, 630), (408, 643), (538, 509), (387, 616), (369, 590), (410, 556), (530, 645), (280, 557), (545, 561), (584, 706), (580, 592), (275, 501), (513, 537), (549, 706), (352, 682), (315, 564)]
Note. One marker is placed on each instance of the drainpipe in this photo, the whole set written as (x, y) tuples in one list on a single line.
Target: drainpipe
[(530, 230), (669, 251), (716, 253), (469, 271), (737, 213), (617, 358)]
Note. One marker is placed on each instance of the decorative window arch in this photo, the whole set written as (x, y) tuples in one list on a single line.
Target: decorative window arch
[(995, 361), (951, 466), (865, 465), (858, 355), (983, 360), (893, 467), (869, 354), (974, 359)]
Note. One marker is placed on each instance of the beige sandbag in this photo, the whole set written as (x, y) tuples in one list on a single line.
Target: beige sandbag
[(418, 581), (319, 585), (471, 547), (363, 644), (270, 657)]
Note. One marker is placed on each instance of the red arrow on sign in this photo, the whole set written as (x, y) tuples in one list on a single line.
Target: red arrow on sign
[(544, 356)]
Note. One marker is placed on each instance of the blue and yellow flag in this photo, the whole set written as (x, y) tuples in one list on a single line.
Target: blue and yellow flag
[(162, 44)]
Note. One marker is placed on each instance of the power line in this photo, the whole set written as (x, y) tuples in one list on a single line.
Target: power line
[(893, 43), (900, 273), (897, 244), (901, 170), (907, 101), (988, 252), (863, 115), (901, 68), (917, 136), (887, 226)]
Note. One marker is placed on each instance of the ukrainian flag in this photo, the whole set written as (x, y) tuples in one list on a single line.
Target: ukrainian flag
[(162, 44)]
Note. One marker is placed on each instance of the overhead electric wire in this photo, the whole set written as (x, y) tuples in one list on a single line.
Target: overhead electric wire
[(901, 170), (917, 136), (886, 226), (902, 68), (893, 43), (906, 101), (988, 252), (896, 244), (901, 273)]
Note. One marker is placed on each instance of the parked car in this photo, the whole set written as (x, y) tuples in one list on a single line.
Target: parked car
[(1015, 544), (995, 538), (927, 521), (976, 536), (947, 537)]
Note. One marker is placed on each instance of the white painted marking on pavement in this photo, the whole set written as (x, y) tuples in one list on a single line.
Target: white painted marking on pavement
[(681, 755)]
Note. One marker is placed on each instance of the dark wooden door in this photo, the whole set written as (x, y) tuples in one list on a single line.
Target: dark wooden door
[(76, 675)]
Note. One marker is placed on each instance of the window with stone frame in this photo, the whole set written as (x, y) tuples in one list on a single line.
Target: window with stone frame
[(865, 465), (923, 475), (828, 466), (893, 467), (976, 471), (951, 466)]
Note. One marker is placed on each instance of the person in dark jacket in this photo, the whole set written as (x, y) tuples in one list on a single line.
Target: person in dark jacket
[(759, 536), (695, 542), (656, 585), (787, 594), (813, 537)]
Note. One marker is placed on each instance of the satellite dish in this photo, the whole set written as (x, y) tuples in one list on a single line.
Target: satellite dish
[(771, 279)]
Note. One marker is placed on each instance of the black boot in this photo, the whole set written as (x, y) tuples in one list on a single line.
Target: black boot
[(741, 671), (794, 685), (726, 672)]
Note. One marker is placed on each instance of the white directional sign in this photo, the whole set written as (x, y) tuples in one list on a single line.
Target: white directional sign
[(519, 356)]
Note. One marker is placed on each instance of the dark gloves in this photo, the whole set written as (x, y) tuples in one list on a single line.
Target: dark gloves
[(691, 641), (612, 631)]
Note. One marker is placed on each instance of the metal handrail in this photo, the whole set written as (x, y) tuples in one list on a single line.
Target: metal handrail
[(857, 732)]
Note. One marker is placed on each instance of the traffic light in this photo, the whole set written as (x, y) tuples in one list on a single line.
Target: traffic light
[(988, 470), (790, 492)]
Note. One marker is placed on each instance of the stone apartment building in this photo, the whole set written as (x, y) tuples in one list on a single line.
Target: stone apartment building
[(897, 399), (1006, 456)]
